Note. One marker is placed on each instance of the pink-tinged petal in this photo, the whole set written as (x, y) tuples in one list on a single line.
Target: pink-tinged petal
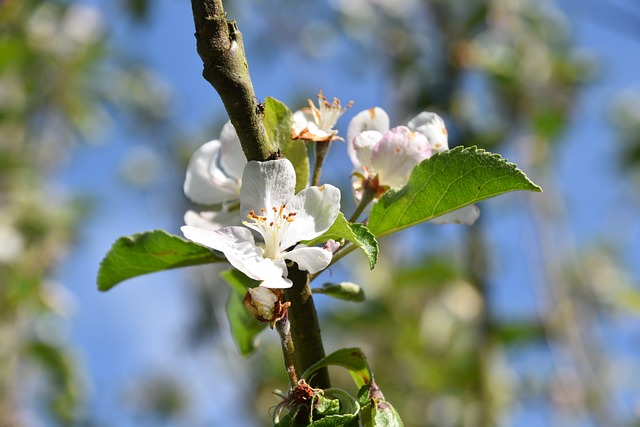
[(467, 215), (205, 183), (312, 260), (232, 158), (363, 145), (397, 153), (316, 210), (372, 119), (331, 246), (238, 246), (432, 126), (266, 185)]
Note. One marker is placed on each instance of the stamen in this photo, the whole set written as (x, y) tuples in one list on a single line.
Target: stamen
[(272, 227)]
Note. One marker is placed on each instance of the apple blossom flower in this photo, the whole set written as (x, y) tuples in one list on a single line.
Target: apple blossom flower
[(383, 158), (426, 123), (214, 177), (316, 123), (281, 217), (388, 158)]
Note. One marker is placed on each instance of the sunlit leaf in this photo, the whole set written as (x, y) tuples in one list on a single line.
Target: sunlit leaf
[(244, 327), (277, 121), (355, 233), (380, 413), (376, 411), (443, 183), (149, 252), (352, 359)]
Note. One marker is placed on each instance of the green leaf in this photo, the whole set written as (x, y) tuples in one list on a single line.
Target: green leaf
[(244, 327), (339, 409), (376, 411), (380, 413), (148, 252), (278, 121), (352, 359), (355, 233), (344, 290), (443, 183)]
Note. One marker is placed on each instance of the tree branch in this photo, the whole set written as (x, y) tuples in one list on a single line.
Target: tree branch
[(305, 328), (220, 46)]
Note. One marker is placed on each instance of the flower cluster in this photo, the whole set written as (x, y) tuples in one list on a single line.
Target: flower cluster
[(218, 174), (382, 157)]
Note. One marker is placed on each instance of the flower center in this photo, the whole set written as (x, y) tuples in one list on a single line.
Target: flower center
[(272, 224), (327, 114)]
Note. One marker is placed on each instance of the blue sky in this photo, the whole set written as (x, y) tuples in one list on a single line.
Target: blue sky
[(137, 326)]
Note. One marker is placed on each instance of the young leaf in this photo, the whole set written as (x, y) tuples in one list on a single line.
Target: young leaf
[(355, 233), (278, 121), (376, 411), (346, 415), (380, 413), (148, 252), (443, 183), (352, 359), (244, 327), (346, 291)]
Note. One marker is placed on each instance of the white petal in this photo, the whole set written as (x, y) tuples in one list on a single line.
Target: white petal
[(212, 220), (432, 126), (239, 248), (277, 283), (232, 158), (316, 210), (301, 119), (466, 216), (205, 183), (312, 260), (397, 153), (372, 119), (266, 185), (363, 145)]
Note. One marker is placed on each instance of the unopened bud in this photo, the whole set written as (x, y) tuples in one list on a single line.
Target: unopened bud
[(331, 246), (264, 304)]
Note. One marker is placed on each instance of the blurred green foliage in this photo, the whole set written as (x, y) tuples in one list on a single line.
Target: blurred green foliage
[(56, 90)]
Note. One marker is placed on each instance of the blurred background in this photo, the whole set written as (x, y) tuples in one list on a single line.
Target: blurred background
[(528, 318)]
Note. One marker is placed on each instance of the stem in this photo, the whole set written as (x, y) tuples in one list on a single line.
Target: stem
[(477, 262), (321, 150), (220, 46), (288, 350), (305, 329), (367, 197)]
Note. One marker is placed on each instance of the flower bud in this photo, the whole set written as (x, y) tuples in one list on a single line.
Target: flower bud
[(331, 246), (264, 304)]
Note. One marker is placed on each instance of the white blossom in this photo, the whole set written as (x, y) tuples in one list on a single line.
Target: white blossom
[(281, 217), (316, 123), (383, 158), (214, 177)]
